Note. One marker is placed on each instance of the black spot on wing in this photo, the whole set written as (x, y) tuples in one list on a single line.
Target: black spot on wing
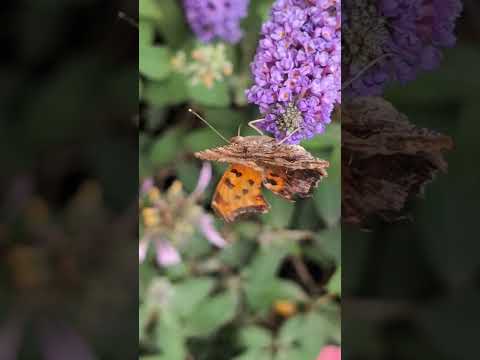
[(236, 172), (271, 181), (229, 183), (219, 199)]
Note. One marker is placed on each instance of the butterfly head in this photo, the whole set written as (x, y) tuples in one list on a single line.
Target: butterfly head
[(237, 140)]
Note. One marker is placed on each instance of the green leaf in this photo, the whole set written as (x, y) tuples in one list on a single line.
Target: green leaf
[(292, 354), (326, 248), (187, 173), (260, 297), (291, 330), (234, 255), (289, 290), (263, 271), (280, 213), (202, 139), (299, 331), (265, 264), (255, 355), (306, 215), (172, 23), (328, 194), (170, 338), (211, 314), (146, 32), (165, 149), (154, 62), (170, 91), (318, 324), (142, 320), (149, 9), (263, 10), (247, 229), (218, 95), (188, 294), (197, 247), (177, 272), (226, 119), (330, 138), (334, 285), (255, 337)]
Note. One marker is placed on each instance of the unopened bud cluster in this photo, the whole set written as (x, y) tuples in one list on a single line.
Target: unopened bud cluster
[(206, 64)]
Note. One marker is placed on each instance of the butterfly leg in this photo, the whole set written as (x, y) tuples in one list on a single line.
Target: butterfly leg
[(254, 127), (288, 136), (238, 130)]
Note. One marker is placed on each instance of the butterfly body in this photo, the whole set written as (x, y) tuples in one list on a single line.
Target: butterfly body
[(287, 170)]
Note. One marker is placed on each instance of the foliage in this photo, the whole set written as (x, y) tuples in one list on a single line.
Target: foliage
[(274, 290)]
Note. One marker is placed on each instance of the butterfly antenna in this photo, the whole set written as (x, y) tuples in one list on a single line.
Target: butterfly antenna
[(209, 125), (128, 19)]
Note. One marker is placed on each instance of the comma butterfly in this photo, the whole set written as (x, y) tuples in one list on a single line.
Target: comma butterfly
[(288, 171), (386, 160)]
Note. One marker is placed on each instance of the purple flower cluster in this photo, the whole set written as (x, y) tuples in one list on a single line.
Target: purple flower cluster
[(211, 19), (296, 69), (385, 40)]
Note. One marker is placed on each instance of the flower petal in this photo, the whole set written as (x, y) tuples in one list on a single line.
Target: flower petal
[(212, 235), (143, 249), (167, 255), (330, 352), (203, 179)]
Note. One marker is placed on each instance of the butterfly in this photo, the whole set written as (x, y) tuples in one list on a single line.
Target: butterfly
[(288, 171), (386, 160)]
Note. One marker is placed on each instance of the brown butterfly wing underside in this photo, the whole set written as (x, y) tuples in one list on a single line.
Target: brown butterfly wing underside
[(287, 170), (386, 160)]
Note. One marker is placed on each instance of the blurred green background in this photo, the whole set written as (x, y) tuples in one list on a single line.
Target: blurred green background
[(274, 291), (411, 289), (68, 184)]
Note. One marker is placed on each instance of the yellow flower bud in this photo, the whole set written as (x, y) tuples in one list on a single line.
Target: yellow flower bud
[(285, 308), (154, 194), (227, 69), (150, 217), (207, 79), (176, 187), (197, 54)]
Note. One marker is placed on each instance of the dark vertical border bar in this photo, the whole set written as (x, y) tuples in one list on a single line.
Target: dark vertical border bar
[(410, 248), (69, 180)]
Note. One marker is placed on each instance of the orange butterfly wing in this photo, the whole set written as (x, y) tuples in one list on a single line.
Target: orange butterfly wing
[(239, 192), (275, 180)]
